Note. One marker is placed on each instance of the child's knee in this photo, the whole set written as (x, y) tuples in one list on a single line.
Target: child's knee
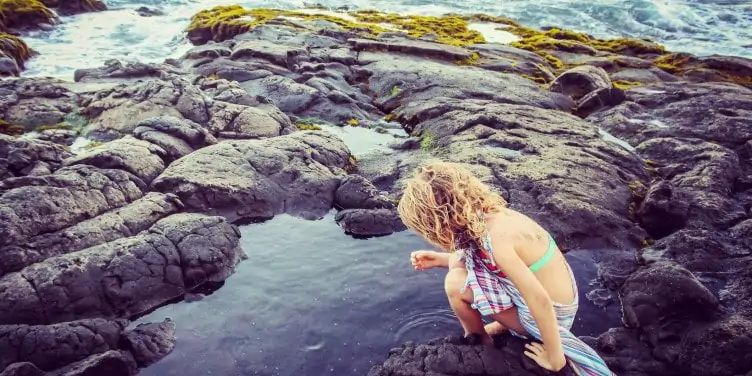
[(454, 282)]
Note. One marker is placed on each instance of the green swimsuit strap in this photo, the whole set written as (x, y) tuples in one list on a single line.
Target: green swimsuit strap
[(546, 257)]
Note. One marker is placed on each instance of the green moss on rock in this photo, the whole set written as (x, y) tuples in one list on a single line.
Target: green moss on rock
[(712, 68), (63, 125), (75, 6), (224, 22), (625, 85), (308, 127), (15, 48), (571, 41), (10, 129), (23, 14), (448, 29)]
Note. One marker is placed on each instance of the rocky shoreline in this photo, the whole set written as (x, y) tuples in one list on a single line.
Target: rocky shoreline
[(118, 191)]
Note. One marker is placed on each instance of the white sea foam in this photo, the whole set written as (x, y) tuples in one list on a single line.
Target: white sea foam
[(87, 40)]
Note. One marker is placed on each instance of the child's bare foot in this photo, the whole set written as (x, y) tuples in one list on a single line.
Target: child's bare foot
[(478, 339), (494, 328)]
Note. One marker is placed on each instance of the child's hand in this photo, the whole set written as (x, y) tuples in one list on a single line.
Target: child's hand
[(538, 353), (423, 260)]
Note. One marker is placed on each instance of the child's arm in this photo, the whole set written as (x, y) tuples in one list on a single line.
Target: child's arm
[(535, 296)]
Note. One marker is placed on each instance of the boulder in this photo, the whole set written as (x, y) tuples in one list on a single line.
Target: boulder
[(125, 277), (714, 112), (111, 363), (453, 356), (370, 222), (150, 342), (119, 110), (580, 81), (22, 369), (122, 222), (696, 186), (115, 71), (175, 136), (720, 349), (34, 102), (356, 192), (664, 291), (422, 81), (140, 158), (626, 354), (21, 157), (33, 205), (49, 347), (296, 174)]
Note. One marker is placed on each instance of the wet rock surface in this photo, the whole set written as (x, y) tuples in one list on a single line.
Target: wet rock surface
[(454, 356), (657, 169)]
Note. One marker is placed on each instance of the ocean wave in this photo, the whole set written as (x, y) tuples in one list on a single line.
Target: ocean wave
[(699, 27)]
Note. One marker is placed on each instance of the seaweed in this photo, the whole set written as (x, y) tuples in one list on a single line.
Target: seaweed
[(24, 14), (15, 48), (11, 129)]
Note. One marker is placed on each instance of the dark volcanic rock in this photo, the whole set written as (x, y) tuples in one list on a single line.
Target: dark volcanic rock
[(125, 277), (370, 222), (125, 221), (599, 99), (720, 349), (581, 81), (33, 205), (140, 158), (627, 355), (20, 157), (664, 291), (118, 111), (296, 174), (33, 102), (111, 363), (22, 369), (449, 356), (64, 137), (176, 137), (420, 82), (356, 192), (53, 346), (697, 189), (150, 342), (114, 71), (715, 112)]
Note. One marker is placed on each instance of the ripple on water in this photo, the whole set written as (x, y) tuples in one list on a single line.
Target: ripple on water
[(419, 324)]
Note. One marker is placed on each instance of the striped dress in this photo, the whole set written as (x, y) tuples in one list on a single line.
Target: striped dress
[(493, 293)]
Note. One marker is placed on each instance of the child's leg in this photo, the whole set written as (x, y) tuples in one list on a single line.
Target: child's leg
[(505, 320), (460, 302)]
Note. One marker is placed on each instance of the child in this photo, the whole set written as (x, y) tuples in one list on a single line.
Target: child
[(512, 266)]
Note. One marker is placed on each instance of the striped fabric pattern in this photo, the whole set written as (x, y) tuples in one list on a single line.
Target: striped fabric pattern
[(493, 294)]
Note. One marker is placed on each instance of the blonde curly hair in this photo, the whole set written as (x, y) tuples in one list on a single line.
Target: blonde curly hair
[(444, 202)]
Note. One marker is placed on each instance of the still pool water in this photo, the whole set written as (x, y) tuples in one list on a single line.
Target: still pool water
[(312, 301)]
